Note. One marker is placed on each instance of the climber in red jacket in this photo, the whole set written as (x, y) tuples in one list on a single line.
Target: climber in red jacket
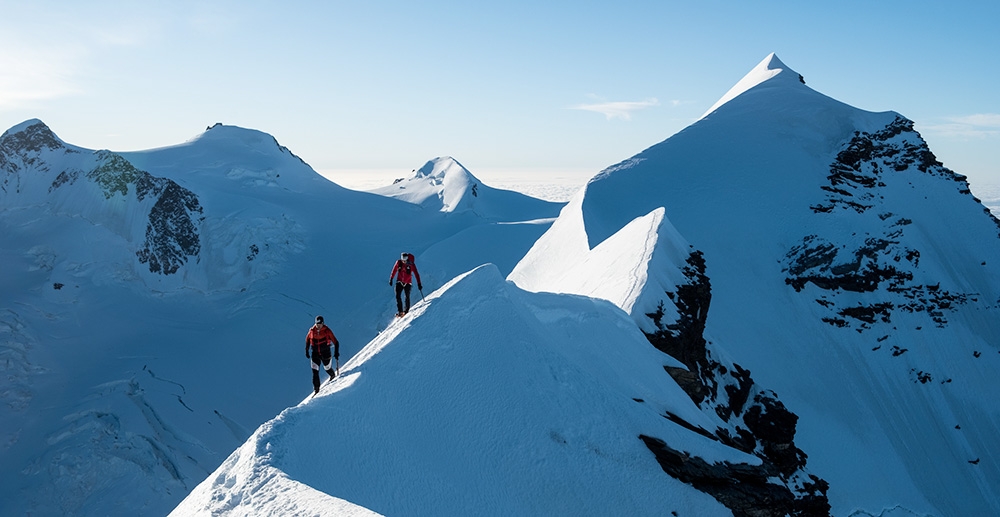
[(318, 342), (404, 269)]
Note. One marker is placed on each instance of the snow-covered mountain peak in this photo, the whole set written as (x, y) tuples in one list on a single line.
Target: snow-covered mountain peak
[(769, 69), (251, 158), (439, 397), (235, 137), (445, 185), (443, 167), (23, 126), (142, 289), (31, 135), (834, 251)]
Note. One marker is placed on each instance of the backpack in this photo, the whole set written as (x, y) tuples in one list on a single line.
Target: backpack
[(409, 262)]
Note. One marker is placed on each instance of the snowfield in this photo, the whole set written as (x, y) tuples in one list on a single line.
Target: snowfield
[(788, 308)]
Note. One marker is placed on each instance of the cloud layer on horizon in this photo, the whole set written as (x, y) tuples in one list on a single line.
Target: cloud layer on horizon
[(620, 109)]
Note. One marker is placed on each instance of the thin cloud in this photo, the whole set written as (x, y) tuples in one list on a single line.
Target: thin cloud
[(621, 110), (52, 67), (979, 125), (29, 77)]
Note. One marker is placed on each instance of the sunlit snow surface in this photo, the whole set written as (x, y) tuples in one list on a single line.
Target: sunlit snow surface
[(893, 408), (484, 400), (125, 391), (123, 388)]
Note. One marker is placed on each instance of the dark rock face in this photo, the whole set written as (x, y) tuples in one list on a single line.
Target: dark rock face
[(172, 235), (684, 339), (878, 263), (32, 139), (115, 174), (859, 166), (862, 269), (745, 489), (20, 151), (762, 426)]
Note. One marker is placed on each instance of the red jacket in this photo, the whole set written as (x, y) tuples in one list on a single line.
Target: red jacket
[(406, 271), (319, 336)]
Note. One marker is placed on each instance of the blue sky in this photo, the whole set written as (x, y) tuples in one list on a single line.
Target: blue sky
[(513, 85)]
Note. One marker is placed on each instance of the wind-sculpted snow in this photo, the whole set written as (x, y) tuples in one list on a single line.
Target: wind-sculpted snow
[(204, 262), (447, 413), (851, 272), (650, 271), (789, 307)]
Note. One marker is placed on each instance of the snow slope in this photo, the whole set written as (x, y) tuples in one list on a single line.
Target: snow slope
[(848, 270), (449, 412), (154, 304), (445, 185), (790, 307)]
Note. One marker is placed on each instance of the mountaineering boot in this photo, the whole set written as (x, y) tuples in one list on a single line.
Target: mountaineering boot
[(332, 374)]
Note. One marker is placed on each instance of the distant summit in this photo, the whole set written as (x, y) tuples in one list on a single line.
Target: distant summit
[(30, 136), (141, 289), (235, 136), (445, 185)]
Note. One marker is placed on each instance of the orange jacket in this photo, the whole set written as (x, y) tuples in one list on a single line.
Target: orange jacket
[(319, 336)]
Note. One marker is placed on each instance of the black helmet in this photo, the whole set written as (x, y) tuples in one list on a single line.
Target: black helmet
[(404, 256), (319, 319)]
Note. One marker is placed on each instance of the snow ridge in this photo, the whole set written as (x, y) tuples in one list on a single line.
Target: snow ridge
[(249, 242), (770, 70), (571, 412), (844, 258)]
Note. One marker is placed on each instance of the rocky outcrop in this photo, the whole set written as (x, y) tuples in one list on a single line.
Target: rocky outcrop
[(20, 151), (878, 263), (171, 237), (761, 426), (684, 339), (30, 140), (857, 171), (746, 490), (171, 232)]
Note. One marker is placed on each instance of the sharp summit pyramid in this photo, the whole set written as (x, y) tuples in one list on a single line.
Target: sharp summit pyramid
[(834, 259), (813, 285), (790, 307)]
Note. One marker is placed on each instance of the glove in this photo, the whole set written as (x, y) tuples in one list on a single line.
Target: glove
[(307, 354), (390, 282), (336, 356), (420, 287)]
